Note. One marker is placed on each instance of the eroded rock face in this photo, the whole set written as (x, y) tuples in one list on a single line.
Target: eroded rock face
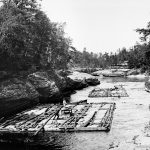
[(45, 86), (76, 81), (88, 70), (16, 95), (83, 79), (133, 72), (92, 81), (50, 91), (64, 73), (78, 84)]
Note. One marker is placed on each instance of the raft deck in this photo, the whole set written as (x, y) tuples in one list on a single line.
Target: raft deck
[(58, 118), (117, 91)]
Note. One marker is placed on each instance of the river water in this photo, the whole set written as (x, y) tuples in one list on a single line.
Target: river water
[(130, 117)]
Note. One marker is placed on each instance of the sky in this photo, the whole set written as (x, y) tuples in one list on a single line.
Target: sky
[(100, 25)]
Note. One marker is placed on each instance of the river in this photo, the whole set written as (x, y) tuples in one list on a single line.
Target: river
[(130, 117)]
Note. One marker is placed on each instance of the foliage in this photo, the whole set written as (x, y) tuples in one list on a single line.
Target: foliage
[(28, 39), (145, 32), (137, 56)]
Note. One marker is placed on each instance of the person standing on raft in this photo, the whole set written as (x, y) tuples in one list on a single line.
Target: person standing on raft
[(64, 102)]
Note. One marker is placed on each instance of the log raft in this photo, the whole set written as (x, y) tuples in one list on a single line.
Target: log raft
[(73, 117), (117, 91)]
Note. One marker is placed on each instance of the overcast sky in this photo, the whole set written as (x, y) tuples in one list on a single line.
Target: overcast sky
[(100, 25)]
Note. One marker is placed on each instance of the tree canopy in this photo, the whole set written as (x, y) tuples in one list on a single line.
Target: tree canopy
[(138, 56), (28, 39)]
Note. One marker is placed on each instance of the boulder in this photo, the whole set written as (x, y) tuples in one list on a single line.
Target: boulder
[(16, 95), (78, 84), (82, 80), (92, 81), (100, 72), (47, 88), (69, 86), (133, 72), (64, 73), (88, 70), (95, 74)]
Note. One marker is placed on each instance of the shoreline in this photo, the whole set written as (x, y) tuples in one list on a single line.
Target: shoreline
[(19, 94)]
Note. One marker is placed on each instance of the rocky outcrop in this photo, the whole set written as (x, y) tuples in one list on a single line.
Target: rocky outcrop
[(64, 73), (88, 70), (50, 91), (75, 84), (47, 88), (82, 80), (100, 72), (40, 87), (95, 74), (92, 81), (133, 72), (16, 95), (77, 81)]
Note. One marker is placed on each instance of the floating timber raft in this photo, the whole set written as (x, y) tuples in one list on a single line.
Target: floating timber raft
[(117, 91), (57, 118)]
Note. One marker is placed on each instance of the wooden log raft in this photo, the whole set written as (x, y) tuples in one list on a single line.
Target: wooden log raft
[(52, 118), (117, 91)]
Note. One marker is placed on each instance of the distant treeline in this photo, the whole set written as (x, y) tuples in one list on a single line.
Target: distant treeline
[(137, 57), (30, 41)]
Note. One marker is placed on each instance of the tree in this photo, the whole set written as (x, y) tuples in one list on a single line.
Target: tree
[(29, 39), (145, 32)]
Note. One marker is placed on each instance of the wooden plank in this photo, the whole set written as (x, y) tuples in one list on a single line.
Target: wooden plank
[(55, 113), (117, 91), (70, 124)]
